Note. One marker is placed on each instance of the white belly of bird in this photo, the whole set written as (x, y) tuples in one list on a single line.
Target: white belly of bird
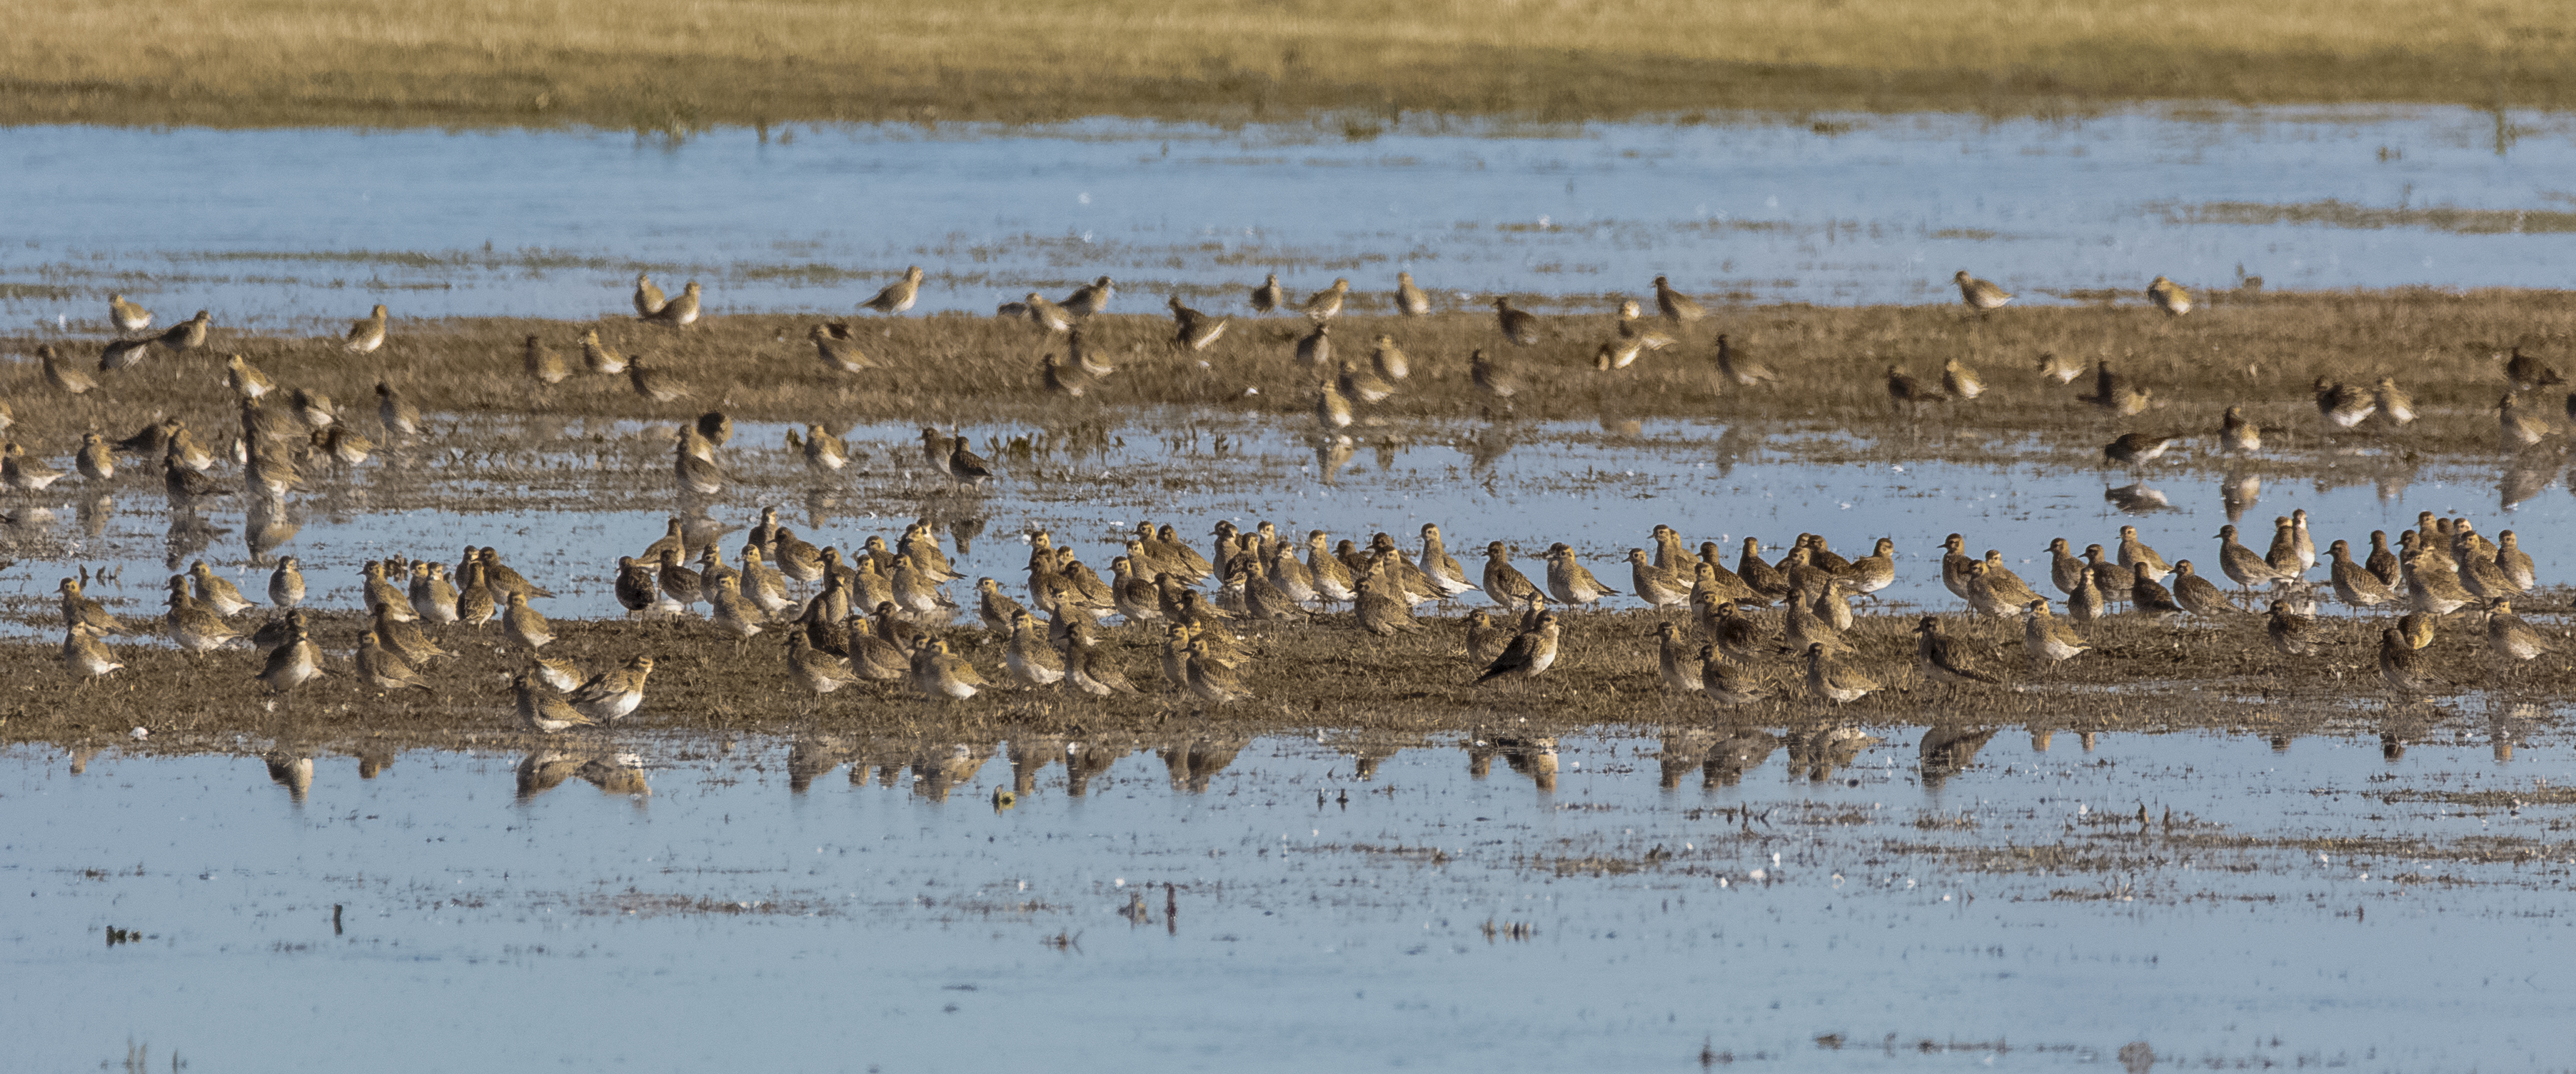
[(617, 708), (1032, 670)]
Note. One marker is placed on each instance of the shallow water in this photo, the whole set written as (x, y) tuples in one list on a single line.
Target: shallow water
[(293, 226), (563, 501), (1230, 905)]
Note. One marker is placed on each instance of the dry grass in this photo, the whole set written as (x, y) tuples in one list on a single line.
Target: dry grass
[(666, 65)]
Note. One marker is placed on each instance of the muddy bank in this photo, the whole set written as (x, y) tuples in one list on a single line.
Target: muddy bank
[(2261, 351), (2142, 676)]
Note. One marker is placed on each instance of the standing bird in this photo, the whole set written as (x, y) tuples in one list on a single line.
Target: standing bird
[(60, 375), (2135, 553), (679, 312), (1960, 382), (2149, 598), (195, 629), (1193, 330), (1724, 683), (2061, 370), (1332, 408), (654, 384), (2046, 638), (1530, 653), (2199, 595), (613, 694), (1519, 326), (381, 667), (824, 453), (1362, 384), (936, 672), (2238, 436), (1674, 305), (598, 358), (2527, 372), (1568, 580), (2515, 563), (292, 664), (213, 592), (1048, 315), (839, 354), (820, 672), (540, 710), (897, 296), (1489, 376), (1734, 364), (118, 354), (965, 465), (1659, 587), (1504, 584), (1315, 349), (1326, 304), (286, 583), (2508, 636), (2136, 449), (397, 414), (1945, 659), (543, 364), (2290, 633), (1269, 296), (1389, 360), (2516, 426), (2343, 404), (648, 298), (1409, 299), (2400, 666), (188, 335), (86, 657), (126, 316), (1907, 392), (525, 625), (1833, 681), (2242, 565), (96, 461), (366, 335), (1088, 299), (1681, 668), (2395, 405), (1978, 294), (2169, 297)]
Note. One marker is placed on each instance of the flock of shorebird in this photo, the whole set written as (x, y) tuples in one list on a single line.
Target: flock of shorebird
[(1342, 383), (878, 614), (881, 614)]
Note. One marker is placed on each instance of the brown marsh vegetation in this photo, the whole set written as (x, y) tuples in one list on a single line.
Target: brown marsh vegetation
[(667, 66)]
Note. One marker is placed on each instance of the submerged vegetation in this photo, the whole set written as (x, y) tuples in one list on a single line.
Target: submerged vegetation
[(671, 67)]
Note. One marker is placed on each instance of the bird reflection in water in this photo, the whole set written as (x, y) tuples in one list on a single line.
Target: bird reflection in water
[(1947, 751), (621, 773), (1533, 757), (1192, 762), (1821, 750), (291, 770)]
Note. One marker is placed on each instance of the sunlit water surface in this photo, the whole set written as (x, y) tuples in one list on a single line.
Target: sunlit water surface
[(312, 226), (563, 500), (1285, 904)]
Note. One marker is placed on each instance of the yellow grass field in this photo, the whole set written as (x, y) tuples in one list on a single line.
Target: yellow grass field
[(678, 65)]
